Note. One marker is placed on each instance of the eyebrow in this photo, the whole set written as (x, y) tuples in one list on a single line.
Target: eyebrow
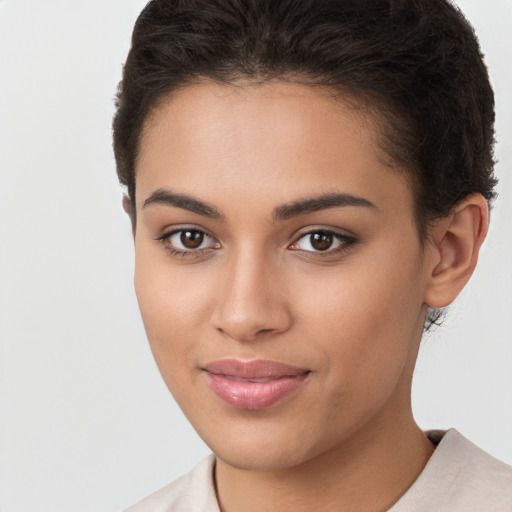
[(283, 212), (166, 197), (322, 202)]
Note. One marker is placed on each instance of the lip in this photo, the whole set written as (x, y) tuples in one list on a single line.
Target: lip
[(253, 385)]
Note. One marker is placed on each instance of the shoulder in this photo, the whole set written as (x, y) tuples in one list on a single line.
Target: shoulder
[(194, 491), (459, 477)]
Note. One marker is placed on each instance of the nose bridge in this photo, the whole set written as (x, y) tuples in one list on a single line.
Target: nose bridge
[(251, 300)]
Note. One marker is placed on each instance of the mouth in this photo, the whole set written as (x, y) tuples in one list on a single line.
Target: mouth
[(253, 385)]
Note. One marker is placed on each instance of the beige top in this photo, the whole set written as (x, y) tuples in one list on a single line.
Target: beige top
[(459, 477)]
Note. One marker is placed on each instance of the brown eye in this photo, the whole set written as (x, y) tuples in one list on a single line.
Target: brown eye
[(321, 241), (191, 239), (188, 241)]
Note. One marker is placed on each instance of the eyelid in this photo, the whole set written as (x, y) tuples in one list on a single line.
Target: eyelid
[(308, 230), (346, 240), (166, 234), (177, 228)]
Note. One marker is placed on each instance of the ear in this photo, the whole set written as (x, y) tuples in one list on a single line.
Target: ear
[(456, 242), (127, 207)]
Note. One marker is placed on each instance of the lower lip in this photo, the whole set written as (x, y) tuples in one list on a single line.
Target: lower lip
[(253, 396)]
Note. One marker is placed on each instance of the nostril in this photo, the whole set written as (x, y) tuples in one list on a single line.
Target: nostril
[(264, 331), (245, 333)]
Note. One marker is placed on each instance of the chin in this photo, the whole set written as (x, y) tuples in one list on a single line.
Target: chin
[(256, 458), (260, 446)]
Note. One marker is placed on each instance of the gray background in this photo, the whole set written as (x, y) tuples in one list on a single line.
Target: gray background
[(86, 423)]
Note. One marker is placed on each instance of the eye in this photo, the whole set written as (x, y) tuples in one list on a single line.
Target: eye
[(323, 241), (181, 241)]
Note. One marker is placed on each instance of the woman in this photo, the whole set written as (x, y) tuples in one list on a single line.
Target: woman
[(309, 184)]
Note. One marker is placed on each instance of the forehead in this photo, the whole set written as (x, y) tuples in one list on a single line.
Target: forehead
[(277, 140), (209, 110)]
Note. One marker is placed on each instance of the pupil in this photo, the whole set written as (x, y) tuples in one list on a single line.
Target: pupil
[(192, 239), (321, 241)]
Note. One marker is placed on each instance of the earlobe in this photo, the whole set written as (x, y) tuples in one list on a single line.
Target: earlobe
[(456, 244)]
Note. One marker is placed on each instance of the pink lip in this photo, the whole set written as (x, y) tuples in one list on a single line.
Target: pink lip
[(255, 384)]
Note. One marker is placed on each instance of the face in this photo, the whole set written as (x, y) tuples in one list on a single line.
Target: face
[(278, 270)]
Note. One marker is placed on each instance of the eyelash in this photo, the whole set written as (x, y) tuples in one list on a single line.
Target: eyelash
[(164, 240), (346, 242)]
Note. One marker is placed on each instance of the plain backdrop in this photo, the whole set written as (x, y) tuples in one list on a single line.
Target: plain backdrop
[(86, 424)]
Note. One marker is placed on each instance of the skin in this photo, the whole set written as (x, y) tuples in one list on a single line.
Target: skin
[(257, 289)]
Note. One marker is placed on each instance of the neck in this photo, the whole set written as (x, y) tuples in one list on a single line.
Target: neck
[(368, 472)]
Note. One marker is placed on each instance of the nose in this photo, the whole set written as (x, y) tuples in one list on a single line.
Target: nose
[(251, 300)]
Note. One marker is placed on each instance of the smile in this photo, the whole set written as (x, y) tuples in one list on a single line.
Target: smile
[(253, 385)]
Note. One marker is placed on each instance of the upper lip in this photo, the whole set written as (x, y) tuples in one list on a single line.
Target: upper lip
[(255, 369)]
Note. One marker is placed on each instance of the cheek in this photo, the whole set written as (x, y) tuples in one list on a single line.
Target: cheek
[(365, 317), (171, 307), (370, 294)]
